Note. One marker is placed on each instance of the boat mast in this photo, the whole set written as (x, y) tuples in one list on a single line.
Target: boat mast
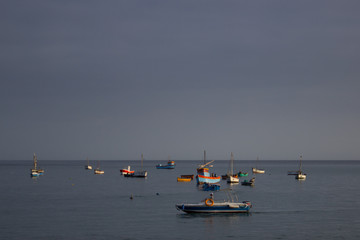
[(232, 164), (142, 159), (300, 163), (35, 161), (204, 156)]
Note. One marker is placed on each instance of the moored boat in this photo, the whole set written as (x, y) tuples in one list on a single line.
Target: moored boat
[(211, 206), (251, 182), (188, 176), (204, 175), (242, 174), (88, 166), (138, 174), (170, 165), (300, 175), (232, 178), (98, 170), (184, 179), (36, 171), (256, 169)]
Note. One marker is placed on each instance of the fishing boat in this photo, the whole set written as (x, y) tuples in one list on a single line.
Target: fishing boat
[(204, 175), (251, 182), (125, 171), (98, 170), (184, 179), (209, 205), (300, 175), (170, 165), (36, 171), (232, 178), (256, 169), (211, 187), (138, 174), (88, 166)]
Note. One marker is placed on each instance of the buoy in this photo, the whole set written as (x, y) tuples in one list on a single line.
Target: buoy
[(157, 193), (131, 197)]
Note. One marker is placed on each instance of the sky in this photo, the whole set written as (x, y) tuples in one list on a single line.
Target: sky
[(113, 79)]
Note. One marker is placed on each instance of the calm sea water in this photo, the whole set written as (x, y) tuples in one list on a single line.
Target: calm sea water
[(69, 202)]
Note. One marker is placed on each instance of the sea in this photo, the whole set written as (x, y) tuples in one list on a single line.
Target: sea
[(69, 202)]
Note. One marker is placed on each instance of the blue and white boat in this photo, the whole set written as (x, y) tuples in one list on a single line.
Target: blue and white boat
[(211, 206), (170, 165), (204, 175)]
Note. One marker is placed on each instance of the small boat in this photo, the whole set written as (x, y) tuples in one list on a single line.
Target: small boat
[(209, 205), (300, 175), (232, 178), (138, 174), (251, 182), (184, 179), (88, 166), (98, 170), (204, 176), (188, 176), (36, 171), (257, 170), (125, 171), (211, 187), (242, 174), (170, 165)]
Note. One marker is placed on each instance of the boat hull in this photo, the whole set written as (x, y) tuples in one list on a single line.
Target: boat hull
[(255, 170), (216, 208), (232, 179), (204, 179), (184, 179), (165, 166)]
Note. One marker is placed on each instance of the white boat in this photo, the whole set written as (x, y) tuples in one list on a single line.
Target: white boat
[(98, 170), (36, 171), (257, 170), (88, 166), (232, 178), (300, 175)]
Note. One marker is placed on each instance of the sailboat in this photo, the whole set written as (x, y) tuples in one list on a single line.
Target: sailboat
[(232, 178), (35, 171), (98, 170), (257, 170), (203, 173), (138, 174), (88, 166), (300, 175)]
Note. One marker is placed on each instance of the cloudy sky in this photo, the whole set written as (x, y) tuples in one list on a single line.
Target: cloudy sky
[(114, 79)]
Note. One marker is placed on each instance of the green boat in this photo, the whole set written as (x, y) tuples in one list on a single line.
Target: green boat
[(242, 174)]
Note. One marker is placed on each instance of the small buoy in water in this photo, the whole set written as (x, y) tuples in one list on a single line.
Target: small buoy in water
[(157, 193), (131, 197)]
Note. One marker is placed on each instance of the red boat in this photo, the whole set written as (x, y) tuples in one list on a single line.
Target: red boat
[(126, 171)]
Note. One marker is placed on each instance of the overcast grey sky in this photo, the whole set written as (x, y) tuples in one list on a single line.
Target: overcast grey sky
[(114, 79)]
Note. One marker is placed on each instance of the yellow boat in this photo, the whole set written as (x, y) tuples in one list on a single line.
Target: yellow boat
[(179, 179)]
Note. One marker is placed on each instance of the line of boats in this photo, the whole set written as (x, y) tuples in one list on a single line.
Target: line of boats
[(205, 180)]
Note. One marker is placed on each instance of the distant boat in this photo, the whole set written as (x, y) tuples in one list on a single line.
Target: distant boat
[(209, 205), (170, 165), (232, 178), (242, 174), (204, 176), (184, 179), (251, 182), (88, 166), (257, 170), (300, 175), (125, 171), (138, 174), (98, 170), (36, 171)]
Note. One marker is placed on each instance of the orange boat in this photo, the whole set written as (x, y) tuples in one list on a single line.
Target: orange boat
[(179, 179)]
